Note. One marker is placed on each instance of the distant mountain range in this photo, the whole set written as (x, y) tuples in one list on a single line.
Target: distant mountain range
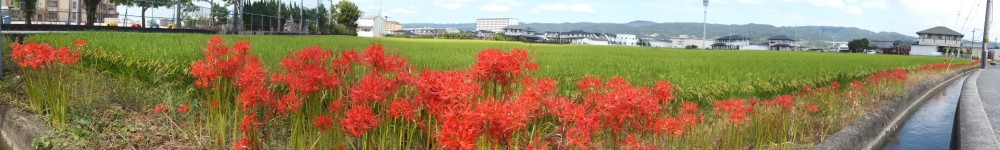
[(815, 35)]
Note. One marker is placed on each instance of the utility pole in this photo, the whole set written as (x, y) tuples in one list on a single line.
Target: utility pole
[(704, 26), (986, 34), (302, 21)]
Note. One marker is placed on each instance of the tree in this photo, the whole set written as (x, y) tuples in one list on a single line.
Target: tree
[(347, 14), (220, 14), (145, 5), (858, 45), (29, 8), (691, 47)]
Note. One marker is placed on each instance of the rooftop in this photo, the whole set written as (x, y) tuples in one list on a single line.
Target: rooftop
[(941, 30)]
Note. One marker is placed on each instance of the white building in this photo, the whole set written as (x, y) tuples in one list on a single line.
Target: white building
[(625, 39), (732, 42), (371, 26), (657, 43), (683, 41), (931, 41), (591, 41), (782, 43), (495, 24)]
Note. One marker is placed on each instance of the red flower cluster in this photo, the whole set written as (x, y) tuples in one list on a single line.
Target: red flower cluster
[(324, 122), (631, 143), (219, 61), (159, 108), (502, 68), (443, 90), (895, 75), (36, 55), (360, 119), (376, 59), (183, 108), (306, 71), (736, 110), (373, 88), (249, 123), (459, 129), (403, 109), (937, 66), (812, 108)]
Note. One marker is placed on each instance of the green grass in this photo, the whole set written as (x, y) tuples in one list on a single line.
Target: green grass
[(699, 75)]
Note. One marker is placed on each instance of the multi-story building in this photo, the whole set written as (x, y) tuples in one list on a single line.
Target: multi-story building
[(495, 24), (61, 11), (781, 43), (933, 41), (392, 26), (732, 42)]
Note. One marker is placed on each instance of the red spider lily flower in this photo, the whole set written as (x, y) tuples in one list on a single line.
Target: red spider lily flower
[(689, 107), (376, 58), (631, 143), (159, 108), (34, 56), (459, 129), (80, 43), (242, 144), (537, 144), (183, 108), (589, 83), (204, 73), (344, 63), (67, 56), (360, 119), (214, 104), (438, 90), (340, 148), (581, 132), (663, 91), (249, 123), (254, 92), (335, 106), (324, 122), (403, 109), (857, 85), (373, 88), (306, 71), (502, 68), (505, 118), (289, 103), (667, 126), (812, 108), (785, 101)]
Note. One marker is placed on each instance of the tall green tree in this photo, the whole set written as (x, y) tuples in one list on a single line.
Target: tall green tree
[(29, 8), (91, 8), (858, 45), (145, 5), (220, 15), (347, 14)]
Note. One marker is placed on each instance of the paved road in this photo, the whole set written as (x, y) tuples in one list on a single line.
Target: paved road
[(989, 92)]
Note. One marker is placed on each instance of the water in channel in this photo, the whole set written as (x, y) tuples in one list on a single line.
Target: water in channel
[(930, 126)]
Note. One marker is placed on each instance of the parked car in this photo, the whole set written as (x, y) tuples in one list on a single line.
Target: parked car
[(871, 52)]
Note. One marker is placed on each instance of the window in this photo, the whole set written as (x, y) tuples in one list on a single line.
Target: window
[(53, 16), (53, 4), (74, 5)]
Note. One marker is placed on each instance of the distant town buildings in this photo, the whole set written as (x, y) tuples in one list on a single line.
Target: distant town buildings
[(732, 42), (933, 41), (625, 39), (391, 26), (683, 41), (781, 43), (60, 11), (371, 26), (495, 24)]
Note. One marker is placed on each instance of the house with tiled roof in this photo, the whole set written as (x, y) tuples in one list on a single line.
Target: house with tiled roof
[(934, 41), (781, 43)]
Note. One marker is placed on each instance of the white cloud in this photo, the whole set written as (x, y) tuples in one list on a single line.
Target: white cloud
[(500, 5), (451, 4), (572, 6), (854, 7), (750, 1), (854, 10), (410, 10), (930, 13)]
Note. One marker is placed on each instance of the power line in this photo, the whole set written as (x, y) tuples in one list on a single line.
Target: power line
[(969, 16)]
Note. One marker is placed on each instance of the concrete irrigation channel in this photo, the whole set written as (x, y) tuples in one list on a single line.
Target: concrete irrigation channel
[(882, 125)]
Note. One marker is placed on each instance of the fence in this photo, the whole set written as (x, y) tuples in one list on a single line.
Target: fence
[(228, 20)]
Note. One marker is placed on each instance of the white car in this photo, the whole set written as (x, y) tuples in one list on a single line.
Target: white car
[(871, 52)]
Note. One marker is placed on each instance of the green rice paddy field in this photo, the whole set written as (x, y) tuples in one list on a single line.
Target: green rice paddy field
[(701, 75)]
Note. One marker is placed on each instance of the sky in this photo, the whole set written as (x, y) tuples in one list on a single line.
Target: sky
[(902, 16)]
